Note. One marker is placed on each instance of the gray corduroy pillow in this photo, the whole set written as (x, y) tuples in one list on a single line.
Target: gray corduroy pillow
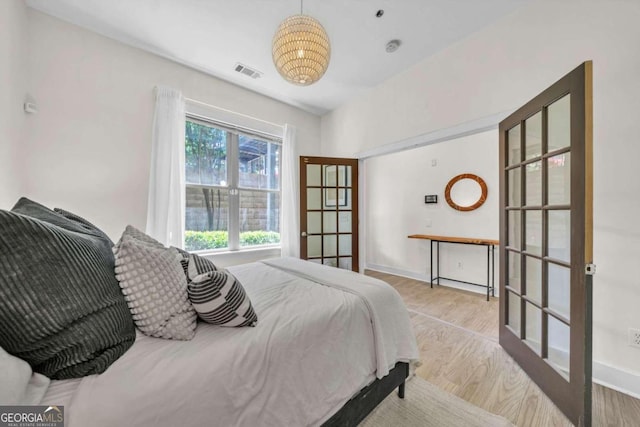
[(154, 285), (61, 309)]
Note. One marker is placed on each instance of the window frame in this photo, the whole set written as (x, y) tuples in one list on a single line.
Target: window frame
[(233, 181)]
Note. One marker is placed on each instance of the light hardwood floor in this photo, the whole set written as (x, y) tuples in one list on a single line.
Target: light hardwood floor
[(457, 335)]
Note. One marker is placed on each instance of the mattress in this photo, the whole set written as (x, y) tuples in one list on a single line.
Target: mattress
[(313, 349)]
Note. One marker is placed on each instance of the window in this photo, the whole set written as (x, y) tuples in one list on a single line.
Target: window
[(232, 187)]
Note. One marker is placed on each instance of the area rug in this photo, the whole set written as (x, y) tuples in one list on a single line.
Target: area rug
[(425, 405)]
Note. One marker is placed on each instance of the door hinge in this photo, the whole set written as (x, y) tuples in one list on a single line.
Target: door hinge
[(590, 269)]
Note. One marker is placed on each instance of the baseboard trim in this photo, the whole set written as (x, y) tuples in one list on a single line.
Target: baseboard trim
[(616, 379), (397, 272), (425, 278), (603, 374)]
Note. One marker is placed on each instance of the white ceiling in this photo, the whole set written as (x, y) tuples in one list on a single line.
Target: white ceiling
[(213, 35)]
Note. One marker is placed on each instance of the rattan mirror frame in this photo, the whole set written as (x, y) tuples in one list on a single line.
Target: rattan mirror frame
[(478, 203)]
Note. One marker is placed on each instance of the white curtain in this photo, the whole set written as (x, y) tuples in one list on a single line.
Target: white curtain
[(289, 224), (166, 205)]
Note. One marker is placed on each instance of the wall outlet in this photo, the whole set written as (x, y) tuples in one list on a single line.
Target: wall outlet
[(434, 162), (634, 337), (460, 266), (427, 223)]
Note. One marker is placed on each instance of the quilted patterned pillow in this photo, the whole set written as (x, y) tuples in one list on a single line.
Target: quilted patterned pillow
[(184, 260), (220, 299), (155, 287), (140, 236)]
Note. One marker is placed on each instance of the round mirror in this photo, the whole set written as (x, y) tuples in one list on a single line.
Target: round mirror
[(466, 192)]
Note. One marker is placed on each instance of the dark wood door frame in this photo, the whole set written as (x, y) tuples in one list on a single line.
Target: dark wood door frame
[(306, 160), (572, 397)]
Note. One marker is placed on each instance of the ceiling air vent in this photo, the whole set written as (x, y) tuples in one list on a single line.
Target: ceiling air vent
[(243, 69)]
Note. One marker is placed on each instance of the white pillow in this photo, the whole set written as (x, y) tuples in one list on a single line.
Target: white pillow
[(18, 384), (154, 285)]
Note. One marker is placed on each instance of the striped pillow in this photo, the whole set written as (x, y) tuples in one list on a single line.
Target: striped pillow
[(199, 265), (220, 299), (194, 265)]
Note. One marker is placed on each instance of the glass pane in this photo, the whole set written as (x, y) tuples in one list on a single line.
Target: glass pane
[(533, 326), (259, 163), (515, 195), (316, 260), (329, 225), (559, 179), (205, 154), (559, 345), (259, 218), (330, 245), (314, 246), (533, 183), (513, 266), (534, 279), (313, 175), (533, 137), (345, 263), (514, 313), (533, 232), (313, 198), (344, 199), (314, 223), (559, 289), (514, 225), (329, 175), (206, 218), (331, 198), (559, 123), (344, 222), (331, 262), (344, 247), (513, 150), (344, 176), (560, 235)]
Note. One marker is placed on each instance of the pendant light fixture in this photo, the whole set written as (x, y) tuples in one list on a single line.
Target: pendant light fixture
[(301, 49)]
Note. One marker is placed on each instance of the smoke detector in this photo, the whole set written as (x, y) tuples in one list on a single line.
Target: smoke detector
[(392, 46), (247, 71)]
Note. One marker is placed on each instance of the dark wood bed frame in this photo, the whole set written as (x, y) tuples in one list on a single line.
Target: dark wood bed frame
[(369, 397)]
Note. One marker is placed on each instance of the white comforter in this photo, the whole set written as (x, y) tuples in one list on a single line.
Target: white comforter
[(393, 337), (314, 347)]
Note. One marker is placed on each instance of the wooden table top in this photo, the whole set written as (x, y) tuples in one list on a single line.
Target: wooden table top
[(469, 240)]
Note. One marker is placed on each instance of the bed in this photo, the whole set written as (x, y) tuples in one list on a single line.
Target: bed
[(329, 345)]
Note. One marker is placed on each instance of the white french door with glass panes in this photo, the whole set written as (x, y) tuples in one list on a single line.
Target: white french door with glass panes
[(232, 187)]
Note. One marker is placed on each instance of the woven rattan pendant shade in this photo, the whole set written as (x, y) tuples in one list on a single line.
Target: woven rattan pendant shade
[(301, 50)]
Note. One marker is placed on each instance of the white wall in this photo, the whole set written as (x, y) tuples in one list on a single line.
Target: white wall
[(404, 179), (502, 67), (88, 149), (13, 57)]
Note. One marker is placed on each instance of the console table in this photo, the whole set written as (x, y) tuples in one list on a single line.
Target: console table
[(490, 244)]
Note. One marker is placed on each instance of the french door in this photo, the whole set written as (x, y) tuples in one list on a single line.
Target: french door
[(546, 234), (329, 211)]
